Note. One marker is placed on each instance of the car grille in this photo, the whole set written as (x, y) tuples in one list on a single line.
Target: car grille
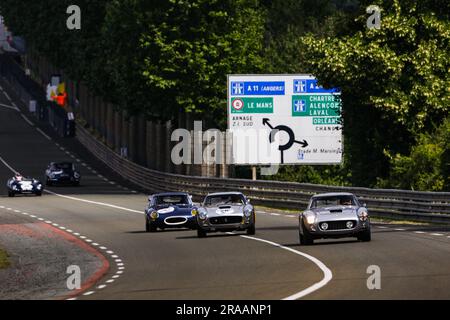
[(225, 220), (176, 220), (338, 225)]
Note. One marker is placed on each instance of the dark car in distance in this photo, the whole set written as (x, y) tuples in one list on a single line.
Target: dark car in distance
[(62, 173)]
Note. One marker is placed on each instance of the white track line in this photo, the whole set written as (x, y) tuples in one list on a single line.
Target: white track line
[(27, 120), (328, 275), (44, 134), (7, 165), (94, 202), (9, 107)]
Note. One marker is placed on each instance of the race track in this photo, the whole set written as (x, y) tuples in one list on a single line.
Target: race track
[(414, 260)]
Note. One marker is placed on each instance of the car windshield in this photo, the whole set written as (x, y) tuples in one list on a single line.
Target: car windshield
[(224, 199), (165, 201), (329, 201), (63, 166)]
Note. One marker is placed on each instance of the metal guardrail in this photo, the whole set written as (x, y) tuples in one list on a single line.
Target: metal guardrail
[(398, 204)]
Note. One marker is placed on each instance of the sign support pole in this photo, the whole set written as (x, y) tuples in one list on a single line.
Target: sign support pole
[(254, 173)]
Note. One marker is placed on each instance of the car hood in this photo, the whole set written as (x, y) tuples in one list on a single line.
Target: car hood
[(174, 211), (336, 211), (225, 210)]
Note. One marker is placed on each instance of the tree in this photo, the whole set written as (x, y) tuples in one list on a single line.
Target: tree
[(394, 81), (43, 24), (426, 167), (192, 46)]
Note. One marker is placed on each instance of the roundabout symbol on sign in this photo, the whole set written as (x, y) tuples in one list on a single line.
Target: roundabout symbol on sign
[(238, 104), (290, 133)]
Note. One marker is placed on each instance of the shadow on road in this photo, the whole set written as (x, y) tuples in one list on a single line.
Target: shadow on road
[(159, 231), (278, 228), (322, 243), (213, 235)]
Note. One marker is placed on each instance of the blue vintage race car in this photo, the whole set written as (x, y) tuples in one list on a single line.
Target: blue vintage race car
[(170, 210)]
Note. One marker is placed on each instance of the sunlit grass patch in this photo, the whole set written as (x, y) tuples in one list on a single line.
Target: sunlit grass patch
[(4, 262)]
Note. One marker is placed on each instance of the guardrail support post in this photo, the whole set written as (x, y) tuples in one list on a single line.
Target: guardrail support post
[(254, 173)]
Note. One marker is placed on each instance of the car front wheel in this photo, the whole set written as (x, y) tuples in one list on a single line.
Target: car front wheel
[(149, 227), (10, 194), (251, 230), (365, 236), (201, 233), (306, 238)]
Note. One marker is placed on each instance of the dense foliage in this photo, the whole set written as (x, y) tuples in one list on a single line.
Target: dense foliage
[(395, 81), (165, 57)]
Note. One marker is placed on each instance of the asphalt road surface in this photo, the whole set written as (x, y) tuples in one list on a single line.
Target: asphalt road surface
[(414, 260)]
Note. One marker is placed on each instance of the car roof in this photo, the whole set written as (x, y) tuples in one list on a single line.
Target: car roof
[(166, 194), (333, 194), (225, 193)]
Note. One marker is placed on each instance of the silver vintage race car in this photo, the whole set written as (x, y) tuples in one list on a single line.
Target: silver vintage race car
[(225, 211), (334, 215)]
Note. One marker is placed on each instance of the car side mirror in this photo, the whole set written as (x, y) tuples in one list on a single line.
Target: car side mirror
[(149, 198)]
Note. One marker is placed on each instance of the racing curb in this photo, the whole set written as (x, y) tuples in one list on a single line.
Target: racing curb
[(85, 244), (103, 270)]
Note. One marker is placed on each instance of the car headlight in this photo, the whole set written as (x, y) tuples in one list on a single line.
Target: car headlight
[(76, 175), (202, 214), (363, 215), (15, 187), (154, 215), (248, 211), (310, 218), (39, 186)]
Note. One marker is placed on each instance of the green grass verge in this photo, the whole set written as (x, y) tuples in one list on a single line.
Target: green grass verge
[(4, 262)]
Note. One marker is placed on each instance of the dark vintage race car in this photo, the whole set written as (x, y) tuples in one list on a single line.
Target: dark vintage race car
[(62, 172), (334, 215), (169, 210), (225, 211), (23, 185)]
